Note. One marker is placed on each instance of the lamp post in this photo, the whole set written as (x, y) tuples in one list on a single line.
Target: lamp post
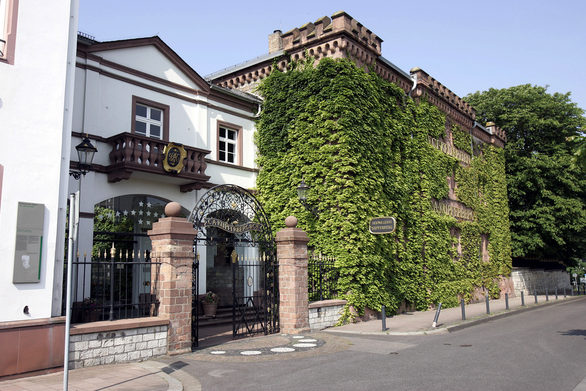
[(85, 155), (302, 191)]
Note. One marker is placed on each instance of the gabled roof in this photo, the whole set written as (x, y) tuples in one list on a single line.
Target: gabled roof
[(155, 41)]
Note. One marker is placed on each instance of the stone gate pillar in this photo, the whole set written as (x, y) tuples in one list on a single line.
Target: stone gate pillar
[(172, 243), (293, 295)]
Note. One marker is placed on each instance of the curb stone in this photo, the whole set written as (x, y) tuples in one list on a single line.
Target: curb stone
[(461, 324), (507, 313), (174, 384)]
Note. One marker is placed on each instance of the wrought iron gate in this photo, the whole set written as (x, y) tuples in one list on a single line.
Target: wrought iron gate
[(234, 235)]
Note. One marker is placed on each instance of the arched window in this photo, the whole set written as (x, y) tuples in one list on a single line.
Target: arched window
[(125, 220)]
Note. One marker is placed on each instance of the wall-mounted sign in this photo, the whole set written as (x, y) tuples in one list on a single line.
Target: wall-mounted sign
[(29, 243), (382, 225), (174, 154)]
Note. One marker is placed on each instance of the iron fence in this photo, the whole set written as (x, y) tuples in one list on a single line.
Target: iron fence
[(322, 277), (111, 286)]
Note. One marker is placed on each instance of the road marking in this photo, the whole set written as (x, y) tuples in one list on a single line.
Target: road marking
[(220, 372)]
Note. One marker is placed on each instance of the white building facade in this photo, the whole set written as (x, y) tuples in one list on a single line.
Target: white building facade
[(36, 76), (134, 99), (37, 57)]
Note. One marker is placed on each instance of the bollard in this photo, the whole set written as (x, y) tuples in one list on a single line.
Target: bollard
[(463, 305), (535, 294), (384, 318), (564, 292), (506, 301), (546, 295), (556, 292), (522, 299), (437, 314), (487, 305)]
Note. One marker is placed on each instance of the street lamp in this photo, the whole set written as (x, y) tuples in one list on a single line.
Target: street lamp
[(85, 155), (302, 191)]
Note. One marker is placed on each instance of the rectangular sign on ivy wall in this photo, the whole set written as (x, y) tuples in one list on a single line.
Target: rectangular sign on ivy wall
[(29, 243)]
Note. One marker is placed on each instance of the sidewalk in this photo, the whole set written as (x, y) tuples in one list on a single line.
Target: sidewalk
[(450, 319), (145, 376), (156, 375)]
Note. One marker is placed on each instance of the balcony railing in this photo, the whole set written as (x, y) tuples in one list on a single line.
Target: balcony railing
[(131, 152)]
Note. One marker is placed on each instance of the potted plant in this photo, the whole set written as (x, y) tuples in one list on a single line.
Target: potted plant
[(209, 303)]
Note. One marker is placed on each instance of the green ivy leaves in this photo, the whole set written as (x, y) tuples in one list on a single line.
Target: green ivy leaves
[(363, 148)]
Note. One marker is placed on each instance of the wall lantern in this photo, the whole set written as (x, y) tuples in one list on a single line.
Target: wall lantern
[(85, 155), (302, 191)]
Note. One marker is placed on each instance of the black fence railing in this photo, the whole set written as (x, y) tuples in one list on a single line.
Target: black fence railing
[(322, 278), (112, 286)]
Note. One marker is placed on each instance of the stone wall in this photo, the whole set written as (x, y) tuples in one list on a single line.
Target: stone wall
[(117, 346), (325, 313), (528, 280)]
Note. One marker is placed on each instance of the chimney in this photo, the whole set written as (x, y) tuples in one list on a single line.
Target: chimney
[(275, 41)]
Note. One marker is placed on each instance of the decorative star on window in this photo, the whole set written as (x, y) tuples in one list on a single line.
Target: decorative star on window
[(140, 203), (148, 204), (140, 212), (155, 214), (117, 213), (133, 212), (148, 213), (148, 222), (140, 221), (125, 212)]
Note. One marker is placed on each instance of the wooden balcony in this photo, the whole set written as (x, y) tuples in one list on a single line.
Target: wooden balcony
[(131, 152)]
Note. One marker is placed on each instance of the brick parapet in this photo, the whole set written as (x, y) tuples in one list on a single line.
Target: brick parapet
[(341, 36)]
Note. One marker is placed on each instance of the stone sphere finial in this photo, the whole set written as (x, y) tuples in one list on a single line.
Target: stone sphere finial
[(173, 209), (291, 222)]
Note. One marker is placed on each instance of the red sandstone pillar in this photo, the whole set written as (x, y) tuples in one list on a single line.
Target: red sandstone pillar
[(293, 296), (172, 243)]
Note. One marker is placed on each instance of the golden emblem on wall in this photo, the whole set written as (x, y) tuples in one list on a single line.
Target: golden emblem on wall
[(174, 154)]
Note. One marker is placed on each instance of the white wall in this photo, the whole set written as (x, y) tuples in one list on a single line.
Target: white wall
[(106, 110), (35, 161)]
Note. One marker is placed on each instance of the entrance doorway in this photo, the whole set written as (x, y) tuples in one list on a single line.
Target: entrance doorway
[(235, 262)]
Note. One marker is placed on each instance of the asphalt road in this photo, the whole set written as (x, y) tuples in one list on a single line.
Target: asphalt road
[(542, 349)]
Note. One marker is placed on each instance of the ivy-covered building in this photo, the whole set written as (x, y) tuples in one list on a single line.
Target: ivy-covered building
[(372, 140)]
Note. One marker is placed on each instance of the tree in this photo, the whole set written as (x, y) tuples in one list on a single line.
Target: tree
[(545, 178)]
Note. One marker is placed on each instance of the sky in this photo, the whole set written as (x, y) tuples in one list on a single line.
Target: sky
[(467, 45)]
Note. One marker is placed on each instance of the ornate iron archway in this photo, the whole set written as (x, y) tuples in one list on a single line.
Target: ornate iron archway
[(232, 225)]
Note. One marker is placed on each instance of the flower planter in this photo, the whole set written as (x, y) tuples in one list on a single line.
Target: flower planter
[(209, 309)]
